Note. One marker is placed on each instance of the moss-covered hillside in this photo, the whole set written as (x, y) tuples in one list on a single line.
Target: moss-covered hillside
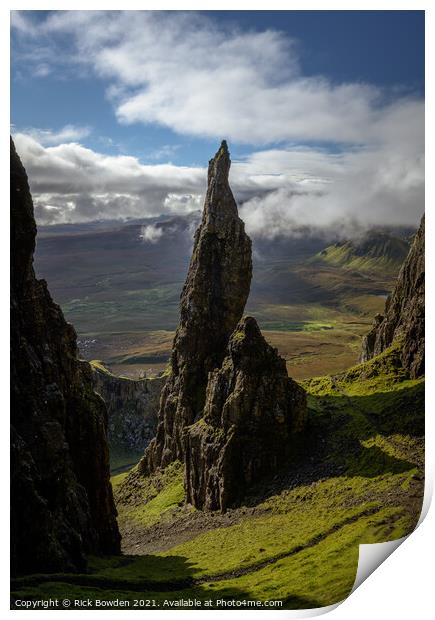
[(296, 538), (376, 251)]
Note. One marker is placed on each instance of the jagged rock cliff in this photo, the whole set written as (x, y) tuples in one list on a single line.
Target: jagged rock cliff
[(132, 406), (228, 409), (61, 497), (253, 412), (403, 319), (212, 303)]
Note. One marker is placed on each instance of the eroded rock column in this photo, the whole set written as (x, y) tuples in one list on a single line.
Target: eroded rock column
[(212, 303)]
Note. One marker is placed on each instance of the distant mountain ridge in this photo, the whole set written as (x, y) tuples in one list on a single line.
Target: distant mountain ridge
[(376, 250)]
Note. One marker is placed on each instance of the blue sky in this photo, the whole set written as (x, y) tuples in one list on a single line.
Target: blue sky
[(385, 48), (307, 97)]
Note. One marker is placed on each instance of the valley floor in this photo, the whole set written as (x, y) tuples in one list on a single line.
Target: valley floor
[(357, 479), (310, 348)]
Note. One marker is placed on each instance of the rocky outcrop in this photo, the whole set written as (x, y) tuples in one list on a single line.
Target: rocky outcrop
[(228, 409), (132, 406), (212, 303), (61, 497), (403, 319), (253, 413)]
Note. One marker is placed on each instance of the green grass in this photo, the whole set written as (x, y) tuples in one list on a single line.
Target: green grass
[(322, 571), (300, 545), (140, 359), (117, 479), (258, 539), (153, 497), (99, 365), (319, 575), (155, 308), (296, 326), (382, 373), (319, 568), (343, 255)]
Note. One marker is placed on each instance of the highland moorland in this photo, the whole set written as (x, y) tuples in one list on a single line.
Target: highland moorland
[(313, 300)]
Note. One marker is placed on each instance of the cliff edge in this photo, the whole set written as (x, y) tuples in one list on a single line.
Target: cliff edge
[(62, 505)]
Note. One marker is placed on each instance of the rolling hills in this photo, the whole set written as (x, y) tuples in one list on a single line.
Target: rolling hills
[(374, 252), (119, 284)]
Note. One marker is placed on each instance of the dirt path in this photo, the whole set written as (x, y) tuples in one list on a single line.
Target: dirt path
[(179, 525), (180, 584)]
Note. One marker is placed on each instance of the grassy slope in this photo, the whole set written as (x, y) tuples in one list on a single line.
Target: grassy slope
[(343, 256), (122, 459), (381, 253), (361, 481)]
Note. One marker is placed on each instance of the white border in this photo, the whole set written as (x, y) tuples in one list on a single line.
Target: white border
[(402, 587)]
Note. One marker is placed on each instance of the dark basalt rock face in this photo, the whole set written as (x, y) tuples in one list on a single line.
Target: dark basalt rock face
[(253, 411), (228, 409), (62, 504), (212, 303), (132, 406), (404, 314)]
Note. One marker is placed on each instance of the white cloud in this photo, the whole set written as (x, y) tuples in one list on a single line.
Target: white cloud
[(279, 190), (68, 133), (79, 184), (180, 204), (151, 233), (338, 193), (183, 71)]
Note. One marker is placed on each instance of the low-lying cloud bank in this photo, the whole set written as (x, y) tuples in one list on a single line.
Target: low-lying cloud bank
[(71, 183), (279, 191)]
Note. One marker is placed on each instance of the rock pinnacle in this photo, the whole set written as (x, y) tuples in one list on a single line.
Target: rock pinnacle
[(212, 302)]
